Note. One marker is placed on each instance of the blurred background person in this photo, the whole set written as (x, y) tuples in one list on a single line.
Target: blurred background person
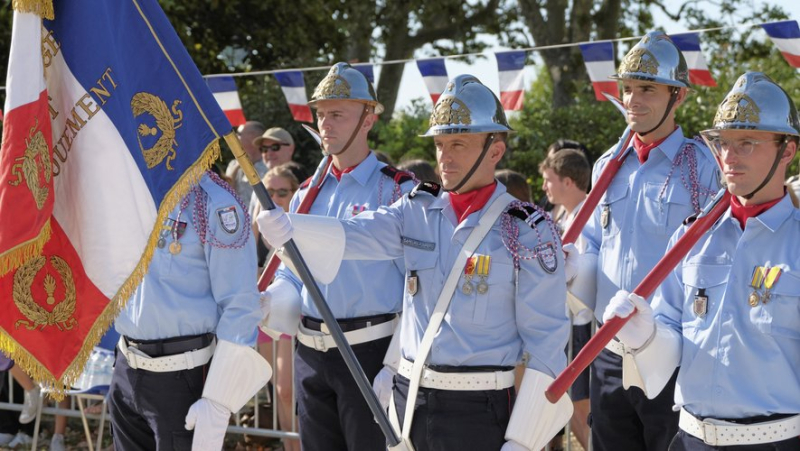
[(422, 170), (247, 133), (515, 183)]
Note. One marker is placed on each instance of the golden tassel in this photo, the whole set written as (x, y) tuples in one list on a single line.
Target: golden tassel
[(42, 8), (21, 253)]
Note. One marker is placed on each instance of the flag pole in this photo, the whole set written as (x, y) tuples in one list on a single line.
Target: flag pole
[(291, 250)]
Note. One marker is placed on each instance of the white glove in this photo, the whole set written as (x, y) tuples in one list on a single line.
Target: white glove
[(511, 445), (641, 327), (266, 303), (275, 226), (382, 385), (571, 258), (209, 421)]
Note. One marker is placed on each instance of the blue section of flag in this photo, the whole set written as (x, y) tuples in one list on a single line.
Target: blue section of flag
[(366, 69), (686, 42), (513, 60), (128, 48), (290, 79), (432, 67), (221, 84), (600, 51), (787, 29)]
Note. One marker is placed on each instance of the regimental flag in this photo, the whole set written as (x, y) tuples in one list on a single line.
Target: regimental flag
[(434, 73), (294, 89), (368, 72), (599, 60), (689, 45), (224, 89), (786, 36), (108, 125), (510, 66)]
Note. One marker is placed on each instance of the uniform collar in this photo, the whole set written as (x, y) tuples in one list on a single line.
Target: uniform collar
[(363, 171), (669, 147), (443, 203), (772, 219)]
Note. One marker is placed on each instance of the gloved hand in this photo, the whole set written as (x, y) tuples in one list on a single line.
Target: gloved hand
[(511, 445), (209, 421), (571, 258), (635, 333), (266, 305), (275, 226), (383, 384)]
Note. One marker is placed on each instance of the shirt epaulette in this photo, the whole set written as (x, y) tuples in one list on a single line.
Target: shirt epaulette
[(397, 175), (527, 213), (427, 187)]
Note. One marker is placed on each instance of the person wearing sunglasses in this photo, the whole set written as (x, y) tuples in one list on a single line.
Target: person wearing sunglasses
[(276, 146), (729, 314)]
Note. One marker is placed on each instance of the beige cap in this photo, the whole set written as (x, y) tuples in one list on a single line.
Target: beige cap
[(275, 134)]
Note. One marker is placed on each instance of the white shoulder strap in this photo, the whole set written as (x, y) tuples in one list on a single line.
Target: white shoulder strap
[(476, 236)]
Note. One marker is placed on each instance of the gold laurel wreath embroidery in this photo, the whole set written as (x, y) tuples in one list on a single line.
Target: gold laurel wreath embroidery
[(61, 316), (738, 108), (35, 145), (445, 114), (332, 87), (639, 60), (166, 122)]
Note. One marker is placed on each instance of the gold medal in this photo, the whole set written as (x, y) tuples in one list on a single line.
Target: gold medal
[(174, 248), (754, 299), (756, 280)]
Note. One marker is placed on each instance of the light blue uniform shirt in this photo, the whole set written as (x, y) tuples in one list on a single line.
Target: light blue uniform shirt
[(522, 310), (643, 206), (360, 288), (738, 361), (203, 288)]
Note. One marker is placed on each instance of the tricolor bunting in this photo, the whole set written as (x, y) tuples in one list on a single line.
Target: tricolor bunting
[(510, 66), (599, 60), (108, 125), (786, 36), (224, 89), (689, 45), (294, 89), (434, 74)]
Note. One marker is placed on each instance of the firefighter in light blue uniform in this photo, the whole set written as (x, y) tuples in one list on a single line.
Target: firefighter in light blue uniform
[(365, 297), (199, 299), (629, 230), (729, 314), (508, 297)]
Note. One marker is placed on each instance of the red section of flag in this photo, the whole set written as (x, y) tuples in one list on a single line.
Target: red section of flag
[(511, 100), (235, 116), (701, 77), (609, 87), (26, 180), (50, 305), (301, 113), (793, 60), (435, 97)]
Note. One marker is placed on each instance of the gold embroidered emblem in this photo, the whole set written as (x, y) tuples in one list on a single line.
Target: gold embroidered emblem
[(738, 107), (332, 87), (167, 121), (451, 110), (29, 167), (36, 315), (639, 60)]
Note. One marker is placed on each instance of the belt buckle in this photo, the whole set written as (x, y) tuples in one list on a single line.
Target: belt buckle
[(709, 433), (131, 357), (319, 343), (323, 327)]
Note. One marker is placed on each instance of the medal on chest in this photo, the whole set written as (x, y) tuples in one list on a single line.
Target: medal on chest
[(469, 270), (605, 216), (756, 280), (484, 261), (773, 274), (412, 282), (700, 304)]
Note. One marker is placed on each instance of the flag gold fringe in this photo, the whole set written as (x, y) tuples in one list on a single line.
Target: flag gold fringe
[(42, 8), (21, 253), (57, 386)]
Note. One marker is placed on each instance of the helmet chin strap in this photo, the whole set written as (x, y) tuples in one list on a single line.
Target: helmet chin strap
[(489, 141), (672, 99), (353, 135), (778, 156)]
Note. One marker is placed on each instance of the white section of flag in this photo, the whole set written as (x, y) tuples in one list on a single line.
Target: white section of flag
[(695, 60), (23, 85), (228, 100), (435, 84), (791, 46), (600, 70), (512, 80), (107, 234), (295, 96)]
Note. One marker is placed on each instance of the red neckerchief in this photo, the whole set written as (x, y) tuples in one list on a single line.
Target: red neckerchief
[(338, 172), (742, 212), (465, 204), (642, 149)]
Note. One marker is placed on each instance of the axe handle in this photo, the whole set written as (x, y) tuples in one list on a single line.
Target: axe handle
[(645, 288)]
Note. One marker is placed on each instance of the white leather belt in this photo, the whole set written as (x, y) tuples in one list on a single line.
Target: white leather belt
[(138, 360), (724, 433), (616, 347), (494, 380), (322, 341)]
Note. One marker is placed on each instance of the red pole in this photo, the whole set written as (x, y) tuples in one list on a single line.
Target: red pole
[(645, 288)]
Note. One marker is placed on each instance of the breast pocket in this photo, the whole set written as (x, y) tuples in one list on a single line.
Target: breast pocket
[(497, 300), (665, 207), (783, 307), (421, 272), (612, 208), (702, 280)]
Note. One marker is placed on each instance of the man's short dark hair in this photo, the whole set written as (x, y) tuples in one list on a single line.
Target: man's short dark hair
[(570, 163)]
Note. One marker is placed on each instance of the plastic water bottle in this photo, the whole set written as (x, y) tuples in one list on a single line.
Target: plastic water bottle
[(108, 368), (92, 370)]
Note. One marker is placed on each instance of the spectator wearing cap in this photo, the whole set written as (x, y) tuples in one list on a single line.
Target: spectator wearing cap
[(276, 146)]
